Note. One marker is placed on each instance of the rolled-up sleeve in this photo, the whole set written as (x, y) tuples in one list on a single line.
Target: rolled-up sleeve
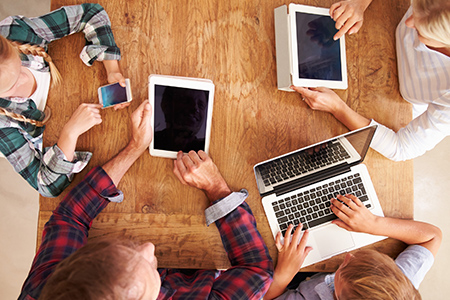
[(222, 207)]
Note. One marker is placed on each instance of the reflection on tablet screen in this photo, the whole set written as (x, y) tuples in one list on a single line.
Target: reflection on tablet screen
[(318, 54), (180, 118)]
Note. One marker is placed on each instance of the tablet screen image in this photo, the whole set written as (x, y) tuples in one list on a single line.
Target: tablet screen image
[(180, 118), (319, 56)]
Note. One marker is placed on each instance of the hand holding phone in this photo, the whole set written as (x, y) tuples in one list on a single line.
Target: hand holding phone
[(113, 94)]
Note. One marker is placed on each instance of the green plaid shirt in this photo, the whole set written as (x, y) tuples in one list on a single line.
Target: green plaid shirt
[(47, 170)]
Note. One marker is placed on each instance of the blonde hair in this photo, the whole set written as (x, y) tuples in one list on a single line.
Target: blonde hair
[(7, 49), (21, 118), (433, 19), (374, 275)]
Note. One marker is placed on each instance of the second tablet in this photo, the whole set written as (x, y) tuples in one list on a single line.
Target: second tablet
[(181, 116)]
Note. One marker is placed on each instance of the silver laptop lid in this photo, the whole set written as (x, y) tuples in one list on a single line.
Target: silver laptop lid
[(313, 163)]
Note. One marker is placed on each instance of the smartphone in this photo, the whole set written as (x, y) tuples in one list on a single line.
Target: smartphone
[(112, 94)]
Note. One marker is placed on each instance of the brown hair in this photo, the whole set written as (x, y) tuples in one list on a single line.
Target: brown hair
[(103, 269), (374, 275), (7, 49)]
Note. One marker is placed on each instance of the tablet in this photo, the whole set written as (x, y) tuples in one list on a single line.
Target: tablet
[(315, 59), (181, 115)]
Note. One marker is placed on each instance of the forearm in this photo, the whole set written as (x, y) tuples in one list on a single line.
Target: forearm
[(350, 118), (119, 165), (365, 3), (111, 66), (248, 255), (67, 142), (277, 287), (409, 231)]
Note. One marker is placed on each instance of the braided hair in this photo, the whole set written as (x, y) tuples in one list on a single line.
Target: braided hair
[(7, 48)]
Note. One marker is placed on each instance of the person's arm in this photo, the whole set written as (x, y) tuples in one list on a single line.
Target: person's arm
[(291, 256), (349, 15), (326, 100), (141, 137), (89, 18), (48, 172), (251, 271), (68, 227), (354, 216), (84, 118), (418, 136)]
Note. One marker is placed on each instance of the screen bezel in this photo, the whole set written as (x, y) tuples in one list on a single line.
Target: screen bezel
[(305, 82), (181, 82)]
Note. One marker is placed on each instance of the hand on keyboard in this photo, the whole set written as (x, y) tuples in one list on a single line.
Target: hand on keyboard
[(353, 214), (292, 254)]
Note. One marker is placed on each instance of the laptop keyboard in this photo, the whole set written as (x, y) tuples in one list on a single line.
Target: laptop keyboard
[(302, 162), (312, 207)]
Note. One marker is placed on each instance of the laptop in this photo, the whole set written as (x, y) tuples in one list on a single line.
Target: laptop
[(297, 188)]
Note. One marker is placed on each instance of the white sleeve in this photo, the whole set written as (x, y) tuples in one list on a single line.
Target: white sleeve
[(415, 261), (420, 135)]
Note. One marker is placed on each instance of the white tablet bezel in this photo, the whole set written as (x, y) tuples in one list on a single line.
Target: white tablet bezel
[(182, 82), (304, 82)]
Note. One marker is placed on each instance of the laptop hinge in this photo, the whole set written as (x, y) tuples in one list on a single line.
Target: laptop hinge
[(305, 181)]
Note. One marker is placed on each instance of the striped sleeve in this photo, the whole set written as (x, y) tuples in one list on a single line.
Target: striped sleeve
[(91, 19), (48, 172)]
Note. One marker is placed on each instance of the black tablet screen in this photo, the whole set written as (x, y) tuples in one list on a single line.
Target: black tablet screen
[(180, 118), (318, 54)]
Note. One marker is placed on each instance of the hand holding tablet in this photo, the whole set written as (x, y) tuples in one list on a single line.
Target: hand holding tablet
[(182, 113), (307, 54)]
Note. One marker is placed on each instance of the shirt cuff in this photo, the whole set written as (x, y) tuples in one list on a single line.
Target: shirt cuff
[(100, 181), (92, 53), (222, 207), (56, 161)]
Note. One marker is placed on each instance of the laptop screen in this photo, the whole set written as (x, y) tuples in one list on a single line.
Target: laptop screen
[(312, 162), (319, 56)]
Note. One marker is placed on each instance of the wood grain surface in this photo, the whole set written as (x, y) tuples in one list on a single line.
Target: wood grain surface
[(231, 43)]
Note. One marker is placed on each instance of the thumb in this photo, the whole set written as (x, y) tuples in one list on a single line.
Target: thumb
[(307, 250), (303, 91), (146, 113), (341, 224)]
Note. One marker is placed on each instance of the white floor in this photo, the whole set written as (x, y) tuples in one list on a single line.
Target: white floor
[(19, 203)]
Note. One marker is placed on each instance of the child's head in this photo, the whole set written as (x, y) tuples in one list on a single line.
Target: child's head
[(369, 274), (106, 269), (431, 18)]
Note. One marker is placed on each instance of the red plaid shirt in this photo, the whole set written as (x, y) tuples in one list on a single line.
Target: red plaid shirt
[(67, 231)]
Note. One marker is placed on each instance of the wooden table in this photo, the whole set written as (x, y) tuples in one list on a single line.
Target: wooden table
[(231, 43)]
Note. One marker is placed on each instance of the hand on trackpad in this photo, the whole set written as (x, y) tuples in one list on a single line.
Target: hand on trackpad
[(332, 239)]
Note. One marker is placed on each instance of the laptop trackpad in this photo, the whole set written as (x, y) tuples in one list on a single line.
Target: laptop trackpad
[(332, 239)]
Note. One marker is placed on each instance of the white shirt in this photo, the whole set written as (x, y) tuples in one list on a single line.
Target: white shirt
[(42, 87), (424, 78)]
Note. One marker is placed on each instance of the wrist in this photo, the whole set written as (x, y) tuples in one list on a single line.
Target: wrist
[(339, 109), (67, 133), (134, 149), (218, 192), (111, 66), (366, 3)]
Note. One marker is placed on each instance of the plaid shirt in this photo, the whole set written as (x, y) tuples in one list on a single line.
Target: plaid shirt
[(67, 230), (47, 170)]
